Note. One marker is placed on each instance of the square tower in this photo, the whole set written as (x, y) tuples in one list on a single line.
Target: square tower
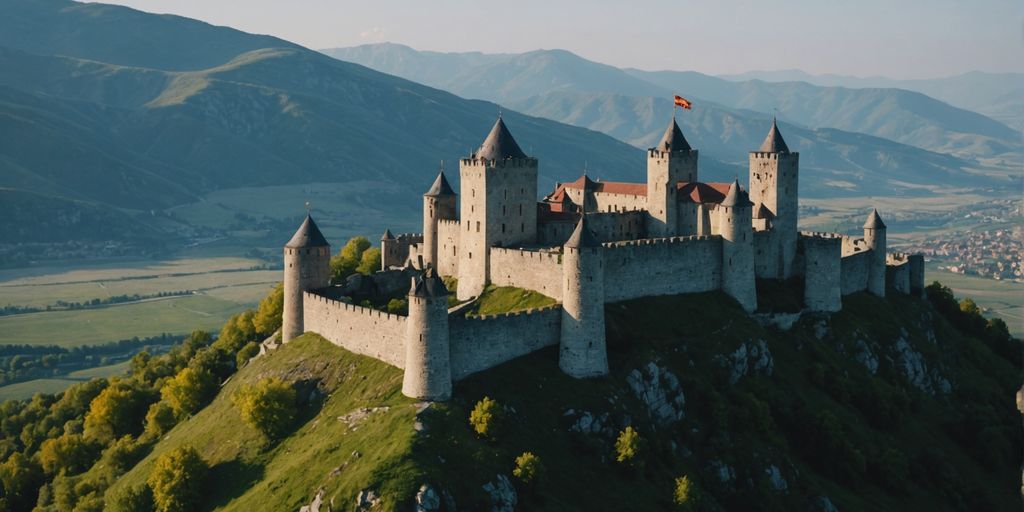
[(774, 177), (668, 163)]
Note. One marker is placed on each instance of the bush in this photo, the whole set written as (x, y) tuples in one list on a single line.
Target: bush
[(629, 447), (69, 453), (176, 480), (528, 468), (684, 495), (268, 406), (117, 411), (246, 353), (123, 454), (130, 499), (188, 391), (160, 419), (398, 306), (485, 418)]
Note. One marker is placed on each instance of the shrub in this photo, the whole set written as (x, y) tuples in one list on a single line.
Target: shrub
[(268, 406), (189, 390), (528, 468), (268, 313), (69, 453), (130, 499), (485, 418), (246, 353), (160, 419), (123, 454), (684, 494), (629, 447), (398, 306), (176, 480)]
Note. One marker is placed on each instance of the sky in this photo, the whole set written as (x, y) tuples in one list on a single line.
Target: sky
[(893, 38)]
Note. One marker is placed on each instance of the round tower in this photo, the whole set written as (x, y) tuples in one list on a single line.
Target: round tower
[(774, 178), (582, 351), (438, 203), (874, 236), (668, 163), (738, 247), (428, 374), (307, 266)]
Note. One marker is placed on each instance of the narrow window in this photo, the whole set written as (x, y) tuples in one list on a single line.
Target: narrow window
[(477, 226), (502, 227)]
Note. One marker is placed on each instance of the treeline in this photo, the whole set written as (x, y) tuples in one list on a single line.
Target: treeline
[(62, 305), (61, 452), (19, 363)]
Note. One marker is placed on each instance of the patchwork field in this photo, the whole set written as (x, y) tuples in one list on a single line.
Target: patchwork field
[(26, 389), (1001, 298)]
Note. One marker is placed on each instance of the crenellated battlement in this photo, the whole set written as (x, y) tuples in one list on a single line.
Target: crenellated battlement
[(505, 162), (510, 314), (660, 241)]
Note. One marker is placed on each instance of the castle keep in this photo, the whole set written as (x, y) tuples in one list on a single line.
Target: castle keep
[(587, 243)]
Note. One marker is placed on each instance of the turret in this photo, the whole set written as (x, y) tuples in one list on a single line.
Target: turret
[(874, 236), (307, 267), (582, 351), (438, 203), (774, 177), (428, 374), (498, 205), (668, 163), (738, 247), (389, 255)]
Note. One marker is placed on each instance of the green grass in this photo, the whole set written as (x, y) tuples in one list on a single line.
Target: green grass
[(27, 389), (503, 299), (174, 315)]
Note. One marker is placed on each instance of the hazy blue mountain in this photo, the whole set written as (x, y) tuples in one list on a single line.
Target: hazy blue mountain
[(895, 114), (996, 95)]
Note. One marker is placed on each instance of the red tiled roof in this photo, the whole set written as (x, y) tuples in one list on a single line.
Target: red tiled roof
[(556, 212), (696, 192)]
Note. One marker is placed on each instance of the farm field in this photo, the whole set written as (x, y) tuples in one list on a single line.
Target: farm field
[(1004, 299), (23, 390)]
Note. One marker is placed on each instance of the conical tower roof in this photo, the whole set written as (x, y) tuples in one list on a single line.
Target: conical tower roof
[(774, 143), (673, 140), (440, 187), (736, 196), (874, 221), (428, 285), (387, 235), (499, 144), (582, 236), (308, 235)]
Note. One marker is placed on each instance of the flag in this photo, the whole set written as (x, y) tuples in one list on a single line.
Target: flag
[(683, 102)]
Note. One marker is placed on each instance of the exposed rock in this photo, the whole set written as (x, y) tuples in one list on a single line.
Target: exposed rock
[(353, 418), (315, 505), (865, 356), (659, 390), (782, 321), (587, 423), (502, 493), (912, 364), (823, 504), (775, 478), (427, 499), (366, 500), (748, 359), (724, 472), (821, 329)]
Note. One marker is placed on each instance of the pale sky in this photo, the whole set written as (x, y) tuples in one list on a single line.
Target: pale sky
[(894, 38)]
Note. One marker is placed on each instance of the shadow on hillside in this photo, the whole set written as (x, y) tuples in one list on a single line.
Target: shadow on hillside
[(228, 480)]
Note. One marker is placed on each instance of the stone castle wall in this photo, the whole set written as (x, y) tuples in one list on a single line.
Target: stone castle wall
[(898, 272), (854, 272), (532, 270), (662, 266), (448, 247), (822, 260), (479, 343), (361, 330), (394, 253), (766, 255), (554, 233)]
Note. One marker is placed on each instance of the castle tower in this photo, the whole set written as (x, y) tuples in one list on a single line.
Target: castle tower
[(588, 202), (582, 351), (668, 163), (389, 255), (874, 235), (307, 266), (428, 373), (438, 203), (738, 247), (774, 175), (498, 205), (822, 273)]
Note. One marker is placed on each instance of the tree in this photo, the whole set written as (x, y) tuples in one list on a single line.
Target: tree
[(528, 468), (485, 417), (685, 493), (20, 477), (970, 307), (130, 499), (249, 351), (369, 262), (348, 258), (123, 454), (188, 391), (69, 453), (268, 314), (268, 406), (176, 480), (629, 446), (398, 306), (237, 331), (117, 411)]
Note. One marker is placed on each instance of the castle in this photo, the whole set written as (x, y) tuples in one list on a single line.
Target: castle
[(587, 243)]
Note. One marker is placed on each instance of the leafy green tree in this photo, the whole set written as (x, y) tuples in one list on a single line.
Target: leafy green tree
[(970, 307), (528, 468), (268, 406), (249, 351), (188, 391), (237, 331), (268, 314), (160, 419), (130, 499), (20, 477), (69, 453), (117, 411), (485, 418), (398, 306), (123, 454), (177, 480), (629, 447), (348, 258), (369, 262)]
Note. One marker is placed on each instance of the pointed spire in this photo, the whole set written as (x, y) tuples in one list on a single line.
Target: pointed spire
[(673, 140), (499, 144), (582, 236), (387, 235), (308, 235), (773, 143), (874, 220), (440, 187), (736, 196), (428, 285)]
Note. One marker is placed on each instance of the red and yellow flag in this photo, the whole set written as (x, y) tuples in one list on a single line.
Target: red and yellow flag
[(683, 102)]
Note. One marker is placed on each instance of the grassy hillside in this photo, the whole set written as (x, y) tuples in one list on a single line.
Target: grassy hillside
[(885, 406)]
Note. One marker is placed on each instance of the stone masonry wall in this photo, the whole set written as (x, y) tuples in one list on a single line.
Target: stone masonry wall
[(662, 266), (532, 270), (479, 343), (448, 247), (766, 255), (854, 272), (361, 330), (898, 272)]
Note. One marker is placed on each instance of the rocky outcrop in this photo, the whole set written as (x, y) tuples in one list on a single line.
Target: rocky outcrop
[(752, 357), (316, 504), (659, 390), (367, 500), (864, 355), (912, 364), (502, 494), (588, 423), (427, 499), (722, 471), (776, 479)]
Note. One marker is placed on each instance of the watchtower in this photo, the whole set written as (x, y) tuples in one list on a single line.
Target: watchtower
[(874, 236), (438, 203), (428, 373), (738, 247), (582, 351), (668, 163), (498, 205), (774, 176), (307, 266)]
